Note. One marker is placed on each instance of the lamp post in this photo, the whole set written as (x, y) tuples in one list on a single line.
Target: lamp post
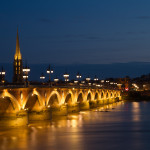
[(42, 77), (49, 71), (88, 80), (2, 75), (26, 71), (66, 76), (95, 78), (56, 79), (78, 76)]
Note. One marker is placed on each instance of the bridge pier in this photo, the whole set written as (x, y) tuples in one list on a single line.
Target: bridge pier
[(14, 119), (93, 104), (60, 110), (84, 105), (73, 108), (100, 103), (40, 115)]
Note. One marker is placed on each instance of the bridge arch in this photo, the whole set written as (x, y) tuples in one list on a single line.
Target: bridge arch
[(80, 97), (69, 98), (107, 95), (33, 102), (111, 94), (54, 99), (8, 103), (89, 97), (96, 96), (102, 94)]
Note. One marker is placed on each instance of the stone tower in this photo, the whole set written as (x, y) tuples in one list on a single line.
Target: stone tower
[(18, 67)]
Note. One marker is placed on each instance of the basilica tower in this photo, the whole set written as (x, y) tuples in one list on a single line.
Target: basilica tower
[(18, 67)]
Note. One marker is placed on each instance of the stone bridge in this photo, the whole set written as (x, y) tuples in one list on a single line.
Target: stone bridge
[(45, 102)]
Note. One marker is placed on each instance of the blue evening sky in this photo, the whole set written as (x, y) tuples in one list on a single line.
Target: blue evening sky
[(76, 31)]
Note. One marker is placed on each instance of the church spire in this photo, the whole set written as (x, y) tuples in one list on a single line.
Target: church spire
[(18, 68), (17, 54)]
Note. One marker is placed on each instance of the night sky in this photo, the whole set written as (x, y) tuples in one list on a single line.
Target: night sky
[(76, 31)]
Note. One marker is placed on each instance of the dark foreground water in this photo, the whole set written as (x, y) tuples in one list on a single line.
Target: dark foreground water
[(127, 127)]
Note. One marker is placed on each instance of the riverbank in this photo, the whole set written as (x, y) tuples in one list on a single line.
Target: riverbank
[(136, 96)]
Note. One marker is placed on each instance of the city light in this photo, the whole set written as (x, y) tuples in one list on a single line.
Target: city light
[(102, 81), (26, 71), (42, 77), (75, 81), (56, 80), (95, 78), (49, 71), (88, 79), (66, 76), (78, 76)]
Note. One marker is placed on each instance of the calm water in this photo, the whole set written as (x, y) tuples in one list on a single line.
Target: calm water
[(127, 127)]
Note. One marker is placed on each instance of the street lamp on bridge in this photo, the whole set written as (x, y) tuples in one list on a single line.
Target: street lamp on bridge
[(42, 77), (88, 80), (66, 76), (78, 76), (95, 78), (56, 79), (2, 75), (26, 71), (49, 71)]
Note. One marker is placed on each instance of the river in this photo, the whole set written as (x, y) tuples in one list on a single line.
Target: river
[(126, 126)]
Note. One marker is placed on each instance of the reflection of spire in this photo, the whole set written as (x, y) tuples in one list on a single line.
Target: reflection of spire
[(17, 54)]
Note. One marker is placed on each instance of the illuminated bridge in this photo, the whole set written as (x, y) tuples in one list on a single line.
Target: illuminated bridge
[(42, 103)]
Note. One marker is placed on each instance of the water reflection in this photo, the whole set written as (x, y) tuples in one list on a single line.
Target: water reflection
[(121, 127), (136, 111)]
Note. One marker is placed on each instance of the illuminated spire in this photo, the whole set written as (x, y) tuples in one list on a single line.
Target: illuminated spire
[(17, 54)]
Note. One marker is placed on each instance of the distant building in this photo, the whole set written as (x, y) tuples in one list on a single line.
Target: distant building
[(17, 65)]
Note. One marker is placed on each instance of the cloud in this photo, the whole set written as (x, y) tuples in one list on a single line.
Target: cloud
[(143, 17)]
